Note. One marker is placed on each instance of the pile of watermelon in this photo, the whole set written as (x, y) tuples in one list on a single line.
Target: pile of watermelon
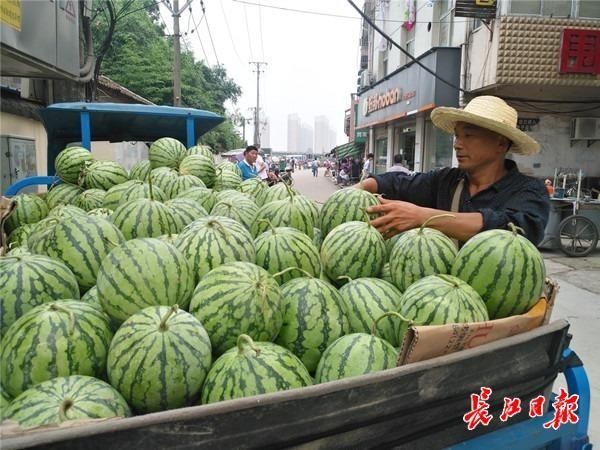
[(177, 284)]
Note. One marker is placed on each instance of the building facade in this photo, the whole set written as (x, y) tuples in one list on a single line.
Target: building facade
[(541, 56)]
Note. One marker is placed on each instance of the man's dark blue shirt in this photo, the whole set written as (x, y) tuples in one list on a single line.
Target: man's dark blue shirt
[(515, 198)]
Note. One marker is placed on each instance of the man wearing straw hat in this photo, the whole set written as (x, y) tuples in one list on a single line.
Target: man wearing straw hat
[(486, 191)]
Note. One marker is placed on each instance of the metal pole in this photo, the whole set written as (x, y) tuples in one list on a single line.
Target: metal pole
[(257, 110), (176, 56)]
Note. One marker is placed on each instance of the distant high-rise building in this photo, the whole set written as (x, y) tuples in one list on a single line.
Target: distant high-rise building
[(294, 131), (306, 139), (265, 135), (324, 136)]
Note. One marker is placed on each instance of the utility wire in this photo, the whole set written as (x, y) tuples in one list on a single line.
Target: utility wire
[(229, 32), (260, 28), (443, 80), (198, 34), (248, 31), (209, 33)]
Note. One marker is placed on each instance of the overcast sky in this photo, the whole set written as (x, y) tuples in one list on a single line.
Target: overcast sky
[(312, 57)]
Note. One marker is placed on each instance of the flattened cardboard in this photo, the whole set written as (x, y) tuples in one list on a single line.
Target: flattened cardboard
[(7, 206)]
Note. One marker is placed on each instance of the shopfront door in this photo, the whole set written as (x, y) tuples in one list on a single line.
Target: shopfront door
[(381, 155), (407, 149)]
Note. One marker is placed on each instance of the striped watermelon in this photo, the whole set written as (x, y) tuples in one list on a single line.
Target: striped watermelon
[(67, 398), (284, 247), (159, 359), (81, 242), (233, 195), (345, 205), (204, 150), (313, 317), (30, 209), (30, 280), (182, 183), (227, 179), (185, 211), (253, 368), (293, 212), (70, 163), (144, 218), (355, 354), (352, 249), (54, 339), (18, 251), (113, 196), (140, 170), (421, 252), (439, 300), (365, 301), (279, 191), (317, 238), (229, 166), (205, 197), (386, 273), (91, 298), (142, 273), (255, 187), (201, 166), (236, 298), (104, 175), (4, 403), (390, 242), (241, 209), (166, 152), (139, 189), (19, 235), (504, 268), (90, 199), (37, 239), (212, 240), (103, 213), (65, 211), (62, 194)]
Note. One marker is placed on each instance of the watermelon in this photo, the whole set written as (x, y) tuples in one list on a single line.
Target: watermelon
[(421, 252), (30, 209), (313, 317), (440, 300), (19, 235), (317, 238), (90, 199), (113, 196), (140, 170), (182, 183), (204, 150), (201, 166), (91, 298), (352, 249), (255, 187), (104, 175), (279, 191), (505, 268), (164, 178), (30, 280), (213, 240), (253, 368), (386, 273), (185, 211), (345, 205), (229, 166), (67, 398), (159, 359), (4, 403), (18, 251), (236, 298), (227, 179), (81, 242), (241, 209), (144, 218), (365, 301), (232, 195), (284, 247), (54, 339), (61, 212), (355, 354), (62, 194), (139, 189), (70, 163), (166, 152), (103, 213), (142, 273), (293, 212), (205, 197)]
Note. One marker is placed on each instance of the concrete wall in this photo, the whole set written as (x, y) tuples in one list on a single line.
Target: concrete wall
[(18, 126)]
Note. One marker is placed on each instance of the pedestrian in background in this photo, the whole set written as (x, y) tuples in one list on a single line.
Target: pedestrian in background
[(368, 165), (398, 166), (315, 167), (247, 165)]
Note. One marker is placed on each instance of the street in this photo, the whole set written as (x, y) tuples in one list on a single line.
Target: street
[(578, 299)]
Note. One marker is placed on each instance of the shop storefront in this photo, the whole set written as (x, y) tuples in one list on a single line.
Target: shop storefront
[(394, 112)]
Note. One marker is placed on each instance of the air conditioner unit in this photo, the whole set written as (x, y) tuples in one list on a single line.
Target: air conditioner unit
[(366, 78), (585, 128)]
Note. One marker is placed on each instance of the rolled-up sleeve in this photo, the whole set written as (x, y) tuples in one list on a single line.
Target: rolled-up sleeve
[(420, 189)]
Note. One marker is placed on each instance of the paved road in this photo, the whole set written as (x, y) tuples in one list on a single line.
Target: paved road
[(578, 300)]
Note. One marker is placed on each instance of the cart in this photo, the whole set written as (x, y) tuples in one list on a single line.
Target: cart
[(574, 221)]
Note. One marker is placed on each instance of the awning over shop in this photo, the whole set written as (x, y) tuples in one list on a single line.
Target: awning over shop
[(350, 149)]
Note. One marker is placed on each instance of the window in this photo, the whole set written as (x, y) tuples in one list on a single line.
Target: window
[(556, 8), (446, 15), (589, 8)]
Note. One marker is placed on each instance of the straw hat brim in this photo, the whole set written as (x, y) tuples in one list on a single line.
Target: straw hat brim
[(446, 118)]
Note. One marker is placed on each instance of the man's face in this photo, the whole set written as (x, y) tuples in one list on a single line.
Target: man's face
[(251, 156), (477, 147)]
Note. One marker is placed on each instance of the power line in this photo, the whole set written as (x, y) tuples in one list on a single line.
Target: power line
[(229, 32), (262, 47), (209, 33), (248, 31), (198, 34)]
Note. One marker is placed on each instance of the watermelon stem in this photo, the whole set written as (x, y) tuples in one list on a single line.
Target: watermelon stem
[(163, 323), (244, 341), (60, 308), (432, 218), (267, 221), (515, 229), (284, 271), (344, 276), (64, 407), (388, 314)]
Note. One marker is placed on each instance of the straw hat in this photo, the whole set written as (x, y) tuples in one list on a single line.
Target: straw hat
[(491, 113)]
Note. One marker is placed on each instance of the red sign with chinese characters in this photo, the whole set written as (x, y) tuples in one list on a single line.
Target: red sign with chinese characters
[(580, 51)]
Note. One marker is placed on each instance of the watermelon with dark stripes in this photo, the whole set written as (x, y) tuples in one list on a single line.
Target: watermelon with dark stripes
[(62, 399), (255, 187), (236, 298), (201, 166), (70, 163), (214, 240), (139, 189), (28, 281), (227, 178), (113, 196), (164, 178), (253, 368), (199, 149), (229, 166), (204, 196), (142, 273), (281, 248), (103, 213), (352, 249), (65, 211), (104, 175), (18, 237), (355, 354), (62, 194), (365, 301), (30, 209), (418, 253), (166, 152), (182, 183), (345, 205), (505, 268), (140, 170), (91, 298), (90, 199), (54, 339), (313, 317), (386, 273), (293, 212), (144, 218), (440, 300), (159, 359), (279, 191), (185, 211), (241, 209)]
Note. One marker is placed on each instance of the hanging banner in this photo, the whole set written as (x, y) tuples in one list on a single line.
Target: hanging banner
[(480, 9), (10, 13)]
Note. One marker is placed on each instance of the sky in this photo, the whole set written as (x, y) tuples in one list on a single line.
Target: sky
[(312, 56)]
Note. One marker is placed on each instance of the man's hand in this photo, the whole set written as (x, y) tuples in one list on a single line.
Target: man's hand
[(396, 216)]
